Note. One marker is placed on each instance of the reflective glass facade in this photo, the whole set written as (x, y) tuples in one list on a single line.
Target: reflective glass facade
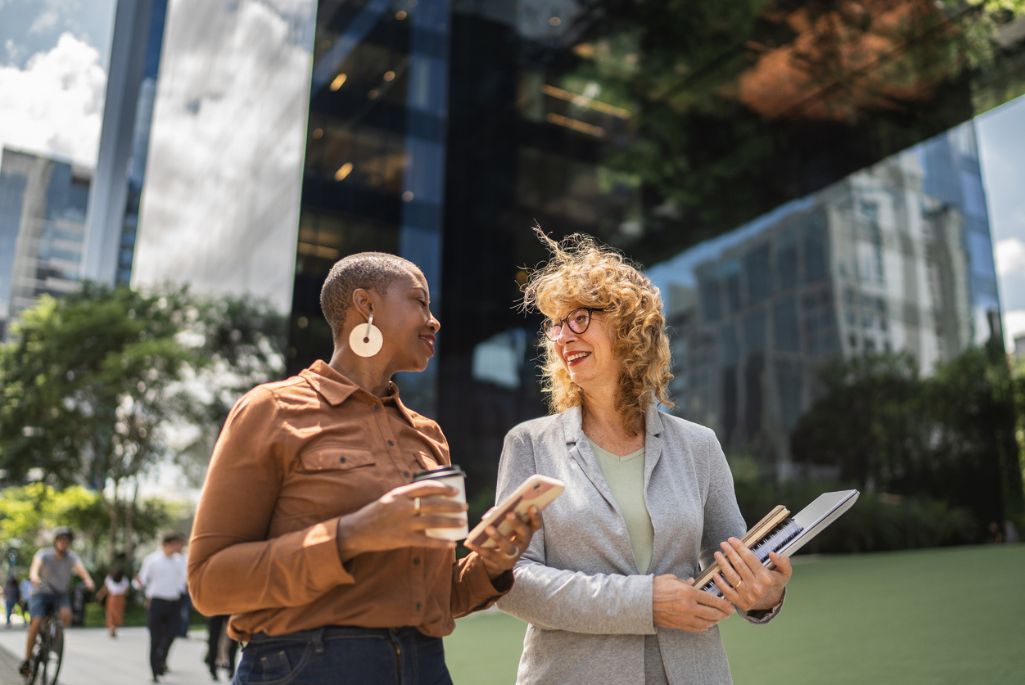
[(800, 179), (221, 191)]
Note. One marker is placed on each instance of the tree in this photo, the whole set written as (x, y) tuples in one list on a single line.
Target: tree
[(29, 513), (867, 422), (102, 386), (950, 436), (757, 102)]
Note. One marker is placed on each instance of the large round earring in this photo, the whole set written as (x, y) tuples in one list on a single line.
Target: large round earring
[(366, 341)]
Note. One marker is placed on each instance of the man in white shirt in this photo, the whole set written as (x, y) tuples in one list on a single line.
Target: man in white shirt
[(163, 578)]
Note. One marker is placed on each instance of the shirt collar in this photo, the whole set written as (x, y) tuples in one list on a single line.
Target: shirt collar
[(336, 388)]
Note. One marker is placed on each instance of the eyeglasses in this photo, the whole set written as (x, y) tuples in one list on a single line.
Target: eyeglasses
[(578, 321)]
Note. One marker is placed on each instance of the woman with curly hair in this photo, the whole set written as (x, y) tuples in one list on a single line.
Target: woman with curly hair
[(649, 497)]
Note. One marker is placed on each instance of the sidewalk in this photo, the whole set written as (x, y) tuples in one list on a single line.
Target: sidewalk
[(92, 657)]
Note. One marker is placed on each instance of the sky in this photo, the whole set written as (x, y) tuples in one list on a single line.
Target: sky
[(1002, 152), (53, 56)]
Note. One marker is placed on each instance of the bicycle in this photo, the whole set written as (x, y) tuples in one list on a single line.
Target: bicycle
[(48, 652)]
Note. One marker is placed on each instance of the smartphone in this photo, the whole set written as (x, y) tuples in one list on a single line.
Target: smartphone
[(537, 491)]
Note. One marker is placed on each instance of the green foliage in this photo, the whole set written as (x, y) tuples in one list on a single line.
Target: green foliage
[(716, 94), (944, 448), (29, 513), (867, 422), (102, 386), (86, 381)]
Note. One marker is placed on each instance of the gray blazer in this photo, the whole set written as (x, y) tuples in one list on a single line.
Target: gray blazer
[(578, 585)]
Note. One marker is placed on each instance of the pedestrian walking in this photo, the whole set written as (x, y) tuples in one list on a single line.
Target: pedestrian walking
[(113, 595), (12, 595), (162, 578), (220, 648)]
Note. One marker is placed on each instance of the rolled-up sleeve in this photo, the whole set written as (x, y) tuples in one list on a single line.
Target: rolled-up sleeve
[(232, 566)]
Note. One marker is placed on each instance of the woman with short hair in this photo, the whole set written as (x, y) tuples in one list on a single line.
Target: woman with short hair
[(311, 531), (649, 496)]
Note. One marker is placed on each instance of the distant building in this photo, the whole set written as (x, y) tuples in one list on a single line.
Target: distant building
[(42, 229), (113, 215)]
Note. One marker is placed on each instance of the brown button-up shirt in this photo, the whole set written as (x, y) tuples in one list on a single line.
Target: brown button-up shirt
[(292, 458)]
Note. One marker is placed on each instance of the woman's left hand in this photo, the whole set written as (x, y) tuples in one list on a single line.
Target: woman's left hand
[(508, 548), (745, 582)]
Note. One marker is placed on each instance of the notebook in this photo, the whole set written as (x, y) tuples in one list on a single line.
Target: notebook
[(784, 534)]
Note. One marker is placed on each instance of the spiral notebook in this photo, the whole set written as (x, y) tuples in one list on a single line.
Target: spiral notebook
[(784, 534)]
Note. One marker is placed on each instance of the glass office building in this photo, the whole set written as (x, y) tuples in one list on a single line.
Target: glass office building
[(801, 181)]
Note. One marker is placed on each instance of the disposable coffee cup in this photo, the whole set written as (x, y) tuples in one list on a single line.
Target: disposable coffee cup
[(454, 477)]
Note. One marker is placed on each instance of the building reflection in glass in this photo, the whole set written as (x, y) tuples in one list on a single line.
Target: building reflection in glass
[(894, 257), (795, 176), (219, 209)]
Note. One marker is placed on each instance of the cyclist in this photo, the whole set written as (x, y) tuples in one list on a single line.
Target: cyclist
[(50, 574)]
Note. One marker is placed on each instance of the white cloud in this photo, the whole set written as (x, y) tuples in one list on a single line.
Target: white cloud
[(44, 22), (54, 105), (1010, 257)]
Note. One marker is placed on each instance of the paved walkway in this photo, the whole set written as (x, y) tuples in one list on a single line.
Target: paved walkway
[(91, 657)]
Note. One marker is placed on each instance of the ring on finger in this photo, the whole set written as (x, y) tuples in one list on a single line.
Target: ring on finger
[(736, 586), (515, 552), (416, 506)]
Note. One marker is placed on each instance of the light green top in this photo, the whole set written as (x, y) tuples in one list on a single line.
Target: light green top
[(625, 476)]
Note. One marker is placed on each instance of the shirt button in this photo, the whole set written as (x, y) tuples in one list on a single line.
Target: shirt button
[(418, 606), (416, 561), (391, 443)]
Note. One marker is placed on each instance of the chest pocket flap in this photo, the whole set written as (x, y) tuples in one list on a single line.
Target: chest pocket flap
[(336, 458)]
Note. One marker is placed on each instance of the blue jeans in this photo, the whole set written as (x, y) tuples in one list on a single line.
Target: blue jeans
[(344, 656)]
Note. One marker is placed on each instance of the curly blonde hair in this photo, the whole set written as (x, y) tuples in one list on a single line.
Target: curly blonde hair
[(582, 273)]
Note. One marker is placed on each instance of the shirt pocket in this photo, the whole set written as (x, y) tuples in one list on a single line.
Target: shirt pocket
[(332, 480), (335, 458)]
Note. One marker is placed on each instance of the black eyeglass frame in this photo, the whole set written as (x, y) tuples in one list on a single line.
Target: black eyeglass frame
[(549, 327)]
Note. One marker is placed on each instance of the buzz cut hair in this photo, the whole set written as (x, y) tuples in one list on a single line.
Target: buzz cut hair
[(367, 270)]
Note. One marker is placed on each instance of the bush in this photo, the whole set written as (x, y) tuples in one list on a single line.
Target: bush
[(876, 523)]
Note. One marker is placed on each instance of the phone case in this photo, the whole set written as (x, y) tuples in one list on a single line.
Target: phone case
[(538, 491)]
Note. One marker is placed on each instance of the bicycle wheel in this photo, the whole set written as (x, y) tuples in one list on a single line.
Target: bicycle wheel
[(54, 652), (39, 650)]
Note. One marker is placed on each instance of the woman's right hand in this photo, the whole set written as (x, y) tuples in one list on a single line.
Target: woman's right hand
[(678, 605), (395, 520)]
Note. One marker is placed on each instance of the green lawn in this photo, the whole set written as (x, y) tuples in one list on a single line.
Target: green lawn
[(936, 616)]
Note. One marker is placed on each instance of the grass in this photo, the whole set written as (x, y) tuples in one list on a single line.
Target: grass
[(952, 615)]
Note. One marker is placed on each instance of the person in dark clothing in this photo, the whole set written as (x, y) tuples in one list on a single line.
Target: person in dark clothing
[(216, 627), (12, 595)]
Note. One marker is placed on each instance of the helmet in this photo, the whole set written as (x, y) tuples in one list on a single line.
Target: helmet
[(64, 532)]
